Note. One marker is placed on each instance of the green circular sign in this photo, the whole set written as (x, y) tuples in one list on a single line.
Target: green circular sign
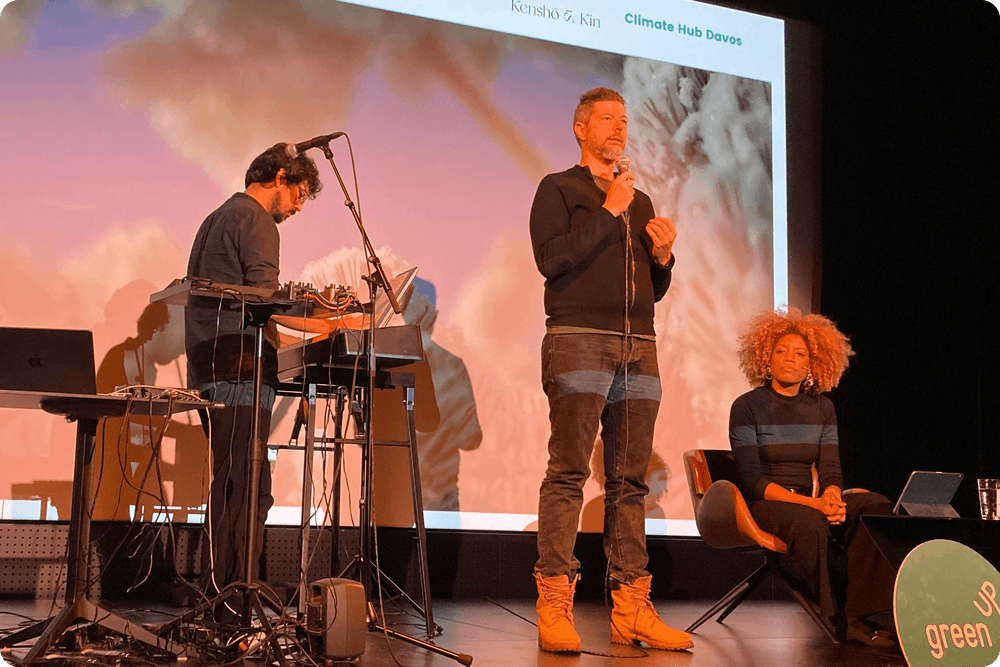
[(946, 606)]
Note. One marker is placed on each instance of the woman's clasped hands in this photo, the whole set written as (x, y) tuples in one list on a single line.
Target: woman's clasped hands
[(832, 505)]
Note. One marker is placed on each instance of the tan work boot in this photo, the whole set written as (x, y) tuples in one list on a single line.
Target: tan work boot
[(555, 614), (634, 619)]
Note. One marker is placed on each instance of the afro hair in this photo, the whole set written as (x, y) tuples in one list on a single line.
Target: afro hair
[(829, 350)]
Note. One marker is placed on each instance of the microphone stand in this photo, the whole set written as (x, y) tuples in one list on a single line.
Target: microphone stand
[(380, 277), (365, 567), (377, 278)]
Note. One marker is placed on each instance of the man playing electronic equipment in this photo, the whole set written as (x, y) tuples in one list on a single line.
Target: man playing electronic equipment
[(238, 244), (606, 260)]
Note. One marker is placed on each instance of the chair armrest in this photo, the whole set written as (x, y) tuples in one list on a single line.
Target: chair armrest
[(699, 478), (725, 522)]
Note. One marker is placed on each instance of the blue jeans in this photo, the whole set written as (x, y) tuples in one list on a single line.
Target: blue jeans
[(231, 431), (612, 381)]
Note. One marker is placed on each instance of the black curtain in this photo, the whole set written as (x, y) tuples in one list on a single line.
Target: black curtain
[(911, 176)]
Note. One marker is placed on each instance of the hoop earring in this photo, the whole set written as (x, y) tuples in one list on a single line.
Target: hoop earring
[(767, 373), (809, 381)]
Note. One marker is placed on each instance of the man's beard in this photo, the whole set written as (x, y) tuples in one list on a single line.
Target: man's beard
[(611, 152), (275, 209), (608, 151)]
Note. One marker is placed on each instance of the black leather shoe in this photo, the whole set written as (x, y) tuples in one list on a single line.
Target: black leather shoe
[(869, 637)]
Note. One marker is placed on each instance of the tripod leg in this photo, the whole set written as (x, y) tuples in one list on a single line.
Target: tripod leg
[(462, 658), (207, 605), (254, 596), (56, 626), (307, 404), (418, 514), (27, 633), (85, 611)]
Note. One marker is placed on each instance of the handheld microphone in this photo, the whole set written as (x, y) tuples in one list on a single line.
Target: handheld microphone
[(294, 150), (621, 164)]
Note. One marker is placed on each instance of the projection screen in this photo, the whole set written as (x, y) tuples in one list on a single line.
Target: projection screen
[(129, 122)]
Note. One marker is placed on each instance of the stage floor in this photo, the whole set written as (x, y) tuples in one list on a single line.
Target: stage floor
[(762, 634)]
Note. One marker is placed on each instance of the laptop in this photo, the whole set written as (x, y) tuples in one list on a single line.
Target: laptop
[(47, 361), (929, 494)]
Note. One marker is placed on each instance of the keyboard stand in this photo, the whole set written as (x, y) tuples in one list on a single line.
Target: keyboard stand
[(316, 385)]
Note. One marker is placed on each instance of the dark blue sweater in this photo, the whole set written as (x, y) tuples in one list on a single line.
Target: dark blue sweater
[(778, 438)]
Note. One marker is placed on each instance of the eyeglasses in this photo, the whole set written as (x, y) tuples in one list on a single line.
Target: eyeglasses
[(301, 191)]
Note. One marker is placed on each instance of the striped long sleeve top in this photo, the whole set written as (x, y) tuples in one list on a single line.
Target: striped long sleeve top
[(778, 438)]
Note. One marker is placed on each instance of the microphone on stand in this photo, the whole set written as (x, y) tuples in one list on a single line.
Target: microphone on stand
[(294, 150)]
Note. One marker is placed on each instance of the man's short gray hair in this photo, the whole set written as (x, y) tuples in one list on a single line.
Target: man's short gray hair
[(586, 106)]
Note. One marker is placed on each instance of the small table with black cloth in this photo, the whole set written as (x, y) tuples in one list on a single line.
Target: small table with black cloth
[(896, 536)]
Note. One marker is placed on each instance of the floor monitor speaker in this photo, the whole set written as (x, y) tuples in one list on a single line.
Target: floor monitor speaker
[(336, 618)]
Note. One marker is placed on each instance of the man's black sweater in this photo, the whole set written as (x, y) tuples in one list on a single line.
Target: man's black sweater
[(580, 248)]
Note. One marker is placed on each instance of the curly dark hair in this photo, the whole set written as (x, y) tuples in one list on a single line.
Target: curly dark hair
[(299, 169), (829, 350), (586, 106)]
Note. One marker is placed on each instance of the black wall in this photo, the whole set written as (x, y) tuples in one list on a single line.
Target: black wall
[(911, 163), (910, 209), (911, 175)]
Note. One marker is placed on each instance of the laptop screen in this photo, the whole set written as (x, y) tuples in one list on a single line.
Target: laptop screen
[(929, 488), (58, 361)]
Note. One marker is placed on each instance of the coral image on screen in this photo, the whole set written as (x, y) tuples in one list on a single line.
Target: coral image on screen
[(131, 122)]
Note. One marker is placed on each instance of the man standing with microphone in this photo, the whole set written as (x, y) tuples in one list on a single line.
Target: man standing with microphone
[(606, 259)]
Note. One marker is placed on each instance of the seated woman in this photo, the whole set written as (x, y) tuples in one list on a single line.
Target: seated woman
[(778, 432)]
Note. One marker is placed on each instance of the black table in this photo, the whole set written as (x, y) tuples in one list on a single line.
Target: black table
[(896, 536), (87, 411)]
